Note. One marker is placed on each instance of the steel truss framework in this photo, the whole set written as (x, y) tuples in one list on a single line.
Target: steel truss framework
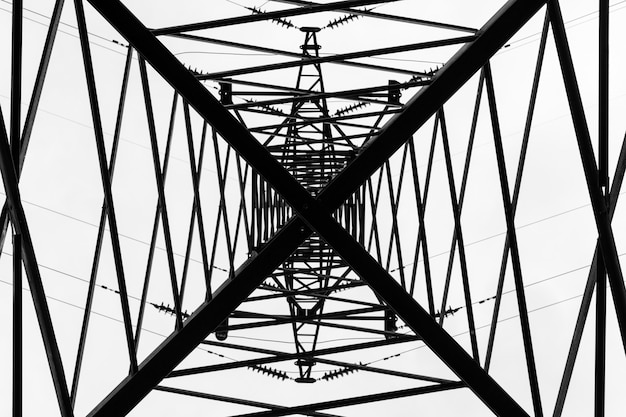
[(317, 216)]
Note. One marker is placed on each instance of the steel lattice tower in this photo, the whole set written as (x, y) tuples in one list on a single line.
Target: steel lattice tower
[(215, 214)]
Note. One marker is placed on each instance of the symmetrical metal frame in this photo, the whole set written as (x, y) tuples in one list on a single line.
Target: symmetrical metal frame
[(283, 215)]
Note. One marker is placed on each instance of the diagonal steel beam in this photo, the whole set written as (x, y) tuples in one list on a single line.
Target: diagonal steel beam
[(210, 314), (232, 400), (365, 399), (587, 156), (384, 16), (343, 57), (296, 11)]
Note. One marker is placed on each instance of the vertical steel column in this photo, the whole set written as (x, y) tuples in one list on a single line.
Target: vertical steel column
[(17, 325), (603, 224), (32, 109), (20, 225), (603, 159), (15, 122), (616, 186), (16, 80)]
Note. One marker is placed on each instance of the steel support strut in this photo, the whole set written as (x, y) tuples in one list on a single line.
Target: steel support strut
[(20, 226), (600, 210), (106, 179), (14, 132), (316, 212)]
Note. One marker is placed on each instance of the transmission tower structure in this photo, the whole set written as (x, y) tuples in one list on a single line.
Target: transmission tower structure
[(313, 157), (215, 214)]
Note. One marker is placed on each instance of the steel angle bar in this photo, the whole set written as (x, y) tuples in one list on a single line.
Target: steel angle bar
[(272, 51), (461, 199), (600, 210), (18, 338), (20, 225), (278, 356), (616, 187), (603, 162), (509, 214), (518, 183), (296, 11), (384, 16), (365, 399), (421, 243), (33, 106), (155, 226), (233, 400), (330, 94), (458, 237), (106, 179), (160, 180), (211, 313), (14, 135), (281, 358), (16, 79), (196, 209), (343, 57), (100, 236)]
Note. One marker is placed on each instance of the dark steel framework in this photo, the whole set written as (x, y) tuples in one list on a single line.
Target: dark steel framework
[(315, 239)]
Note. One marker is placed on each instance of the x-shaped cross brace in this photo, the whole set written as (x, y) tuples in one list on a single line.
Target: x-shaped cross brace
[(313, 214)]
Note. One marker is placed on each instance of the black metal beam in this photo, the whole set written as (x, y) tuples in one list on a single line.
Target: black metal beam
[(365, 399), (232, 400), (289, 356), (585, 303), (155, 226), (512, 241), (100, 236), (384, 16), (17, 327), (600, 211), (160, 180), (340, 58), (20, 226), (106, 178), (363, 367), (34, 105), (518, 183), (14, 135), (603, 173), (331, 94), (296, 11), (273, 51)]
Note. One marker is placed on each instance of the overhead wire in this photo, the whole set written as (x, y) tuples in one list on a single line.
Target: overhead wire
[(134, 239), (568, 24), (74, 35)]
